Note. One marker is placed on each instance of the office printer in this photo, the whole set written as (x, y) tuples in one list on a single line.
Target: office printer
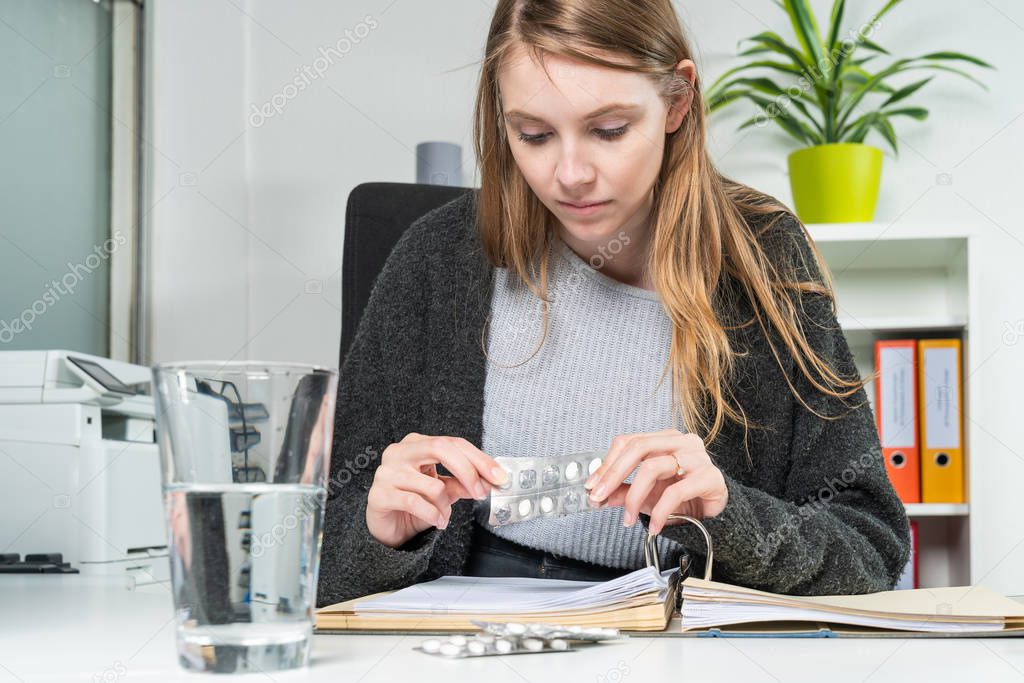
[(79, 466)]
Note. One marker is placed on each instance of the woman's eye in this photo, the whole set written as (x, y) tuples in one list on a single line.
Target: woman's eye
[(532, 139), (610, 133), (603, 133)]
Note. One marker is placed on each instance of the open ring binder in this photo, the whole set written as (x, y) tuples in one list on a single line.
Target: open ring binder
[(652, 557)]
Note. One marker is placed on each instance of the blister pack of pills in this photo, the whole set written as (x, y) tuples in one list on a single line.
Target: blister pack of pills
[(487, 644), (543, 487), (591, 634), (499, 638)]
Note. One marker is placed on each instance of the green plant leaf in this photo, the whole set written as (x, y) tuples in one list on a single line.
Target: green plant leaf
[(863, 40), (918, 113), (876, 83), (942, 67), (771, 88), (956, 56), (721, 99), (873, 46), (785, 120), (834, 22), (882, 125), (795, 134), (856, 131), (748, 123), (859, 76), (882, 12), (767, 86), (862, 125), (906, 91), (862, 61), (773, 42), (806, 29), (872, 83), (762, 64)]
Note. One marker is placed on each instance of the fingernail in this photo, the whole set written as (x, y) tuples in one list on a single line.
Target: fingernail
[(599, 492), (627, 519), (589, 483), (441, 522), (500, 474)]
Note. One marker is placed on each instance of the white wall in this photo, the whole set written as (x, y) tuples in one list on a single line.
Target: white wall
[(246, 260)]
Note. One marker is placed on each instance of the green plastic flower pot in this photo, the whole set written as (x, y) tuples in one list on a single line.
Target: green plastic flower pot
[(835, 183)]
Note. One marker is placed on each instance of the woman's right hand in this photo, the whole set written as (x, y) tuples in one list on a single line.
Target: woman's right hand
[(408, 495)]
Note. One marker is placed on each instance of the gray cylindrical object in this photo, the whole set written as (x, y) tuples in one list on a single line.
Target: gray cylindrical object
[(439, 163)]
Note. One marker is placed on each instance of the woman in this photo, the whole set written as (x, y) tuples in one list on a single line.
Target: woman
[(540, 315)]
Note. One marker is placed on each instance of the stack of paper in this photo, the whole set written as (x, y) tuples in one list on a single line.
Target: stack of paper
[(640, 600), (960, 609)]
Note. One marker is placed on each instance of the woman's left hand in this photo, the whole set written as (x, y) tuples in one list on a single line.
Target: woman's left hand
[(657, 490)]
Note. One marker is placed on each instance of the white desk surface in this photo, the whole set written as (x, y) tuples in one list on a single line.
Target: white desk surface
[(79, 628)]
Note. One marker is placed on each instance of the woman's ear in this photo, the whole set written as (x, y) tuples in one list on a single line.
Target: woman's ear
[(681, 104)]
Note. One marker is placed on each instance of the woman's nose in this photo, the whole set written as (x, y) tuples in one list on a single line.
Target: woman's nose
[(574, 168)]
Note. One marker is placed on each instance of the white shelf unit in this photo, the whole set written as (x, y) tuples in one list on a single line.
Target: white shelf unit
[(907, 280), (915, 510)]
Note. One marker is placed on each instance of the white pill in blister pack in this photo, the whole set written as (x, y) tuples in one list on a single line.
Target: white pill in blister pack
[(544, 487)]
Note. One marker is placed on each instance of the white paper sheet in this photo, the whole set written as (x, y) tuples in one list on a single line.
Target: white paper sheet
[(515, 595)]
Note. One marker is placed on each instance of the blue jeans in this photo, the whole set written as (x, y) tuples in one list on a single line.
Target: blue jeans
[(491, 555)]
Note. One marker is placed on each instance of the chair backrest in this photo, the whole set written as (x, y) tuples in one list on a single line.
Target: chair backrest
[(376, 215)]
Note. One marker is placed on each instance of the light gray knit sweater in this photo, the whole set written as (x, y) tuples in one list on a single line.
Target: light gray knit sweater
[(595, 376), (811, 511)]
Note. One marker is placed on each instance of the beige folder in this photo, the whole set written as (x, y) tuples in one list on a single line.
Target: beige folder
[(641, 613), (957, 610)]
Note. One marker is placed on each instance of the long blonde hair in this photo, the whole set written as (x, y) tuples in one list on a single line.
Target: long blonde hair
[(701, 220)]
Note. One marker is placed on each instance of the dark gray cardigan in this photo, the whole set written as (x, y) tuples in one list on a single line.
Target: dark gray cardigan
[(810, 512)]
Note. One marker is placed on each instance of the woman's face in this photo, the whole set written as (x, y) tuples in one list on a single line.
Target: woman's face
[(575, 145)]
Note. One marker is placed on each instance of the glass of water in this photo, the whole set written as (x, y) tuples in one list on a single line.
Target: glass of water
[(245, 450)]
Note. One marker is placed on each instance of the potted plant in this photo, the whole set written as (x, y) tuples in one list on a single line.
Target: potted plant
[(823, 105)]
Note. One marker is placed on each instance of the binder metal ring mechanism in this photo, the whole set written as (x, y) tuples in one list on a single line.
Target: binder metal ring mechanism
[(651, 556)]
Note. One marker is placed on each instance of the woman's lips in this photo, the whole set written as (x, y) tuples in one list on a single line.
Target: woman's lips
[(584, 210)]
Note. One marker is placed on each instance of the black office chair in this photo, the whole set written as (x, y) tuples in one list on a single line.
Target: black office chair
[(378, 214)]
